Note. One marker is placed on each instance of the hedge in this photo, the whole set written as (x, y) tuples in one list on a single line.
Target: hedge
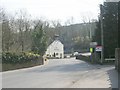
[(12, 60)]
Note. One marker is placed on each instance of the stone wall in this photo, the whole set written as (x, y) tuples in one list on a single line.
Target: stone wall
[(7, 66), (117, 59)]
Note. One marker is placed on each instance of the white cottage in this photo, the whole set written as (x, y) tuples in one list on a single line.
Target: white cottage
[(55, 50)]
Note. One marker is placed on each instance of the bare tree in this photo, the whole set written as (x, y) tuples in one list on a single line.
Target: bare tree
[(23, 27), (87, 21), (6, 31), (57, 25)]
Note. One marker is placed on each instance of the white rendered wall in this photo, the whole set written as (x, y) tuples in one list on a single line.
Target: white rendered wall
[(56, 47)]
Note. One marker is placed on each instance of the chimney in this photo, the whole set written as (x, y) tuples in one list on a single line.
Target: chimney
[(56, 37)]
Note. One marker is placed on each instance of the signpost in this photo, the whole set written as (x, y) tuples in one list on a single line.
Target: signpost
[(92, 50), (93, 44), (98, 49), (119, 24), (102, 36)]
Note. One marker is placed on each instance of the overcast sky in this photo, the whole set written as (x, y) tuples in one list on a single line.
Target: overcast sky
[(61, 10)]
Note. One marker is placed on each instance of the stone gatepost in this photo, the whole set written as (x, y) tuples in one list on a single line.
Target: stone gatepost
[(117, 59)]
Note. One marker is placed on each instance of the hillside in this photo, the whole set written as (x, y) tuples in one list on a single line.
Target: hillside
[(73, 36)]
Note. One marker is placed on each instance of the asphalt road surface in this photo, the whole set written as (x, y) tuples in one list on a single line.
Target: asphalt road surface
[(62, 73)]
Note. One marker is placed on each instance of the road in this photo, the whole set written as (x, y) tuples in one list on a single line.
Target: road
[(62, 73)]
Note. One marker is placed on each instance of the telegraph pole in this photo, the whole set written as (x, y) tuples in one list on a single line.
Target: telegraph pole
[(102, 35), (90, 34), (119, 24)]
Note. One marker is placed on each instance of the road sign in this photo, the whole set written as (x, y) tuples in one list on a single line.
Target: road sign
[(91, 50), (93, 44), (98, 48)]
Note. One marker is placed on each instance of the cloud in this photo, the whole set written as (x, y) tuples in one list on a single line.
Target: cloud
[(54, 9)]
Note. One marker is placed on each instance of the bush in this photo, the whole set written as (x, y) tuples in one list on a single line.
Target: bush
[(12, 61), (14, 58)]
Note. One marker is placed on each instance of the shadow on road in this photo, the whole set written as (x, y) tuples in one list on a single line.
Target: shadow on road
[(66, 68), (114, 78), (93, 72), (73, 67)]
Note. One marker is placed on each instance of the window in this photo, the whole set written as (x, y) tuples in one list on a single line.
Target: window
[(56, 53)]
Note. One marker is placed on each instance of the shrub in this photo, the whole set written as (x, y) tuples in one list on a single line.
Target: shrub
[(22, 57)]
